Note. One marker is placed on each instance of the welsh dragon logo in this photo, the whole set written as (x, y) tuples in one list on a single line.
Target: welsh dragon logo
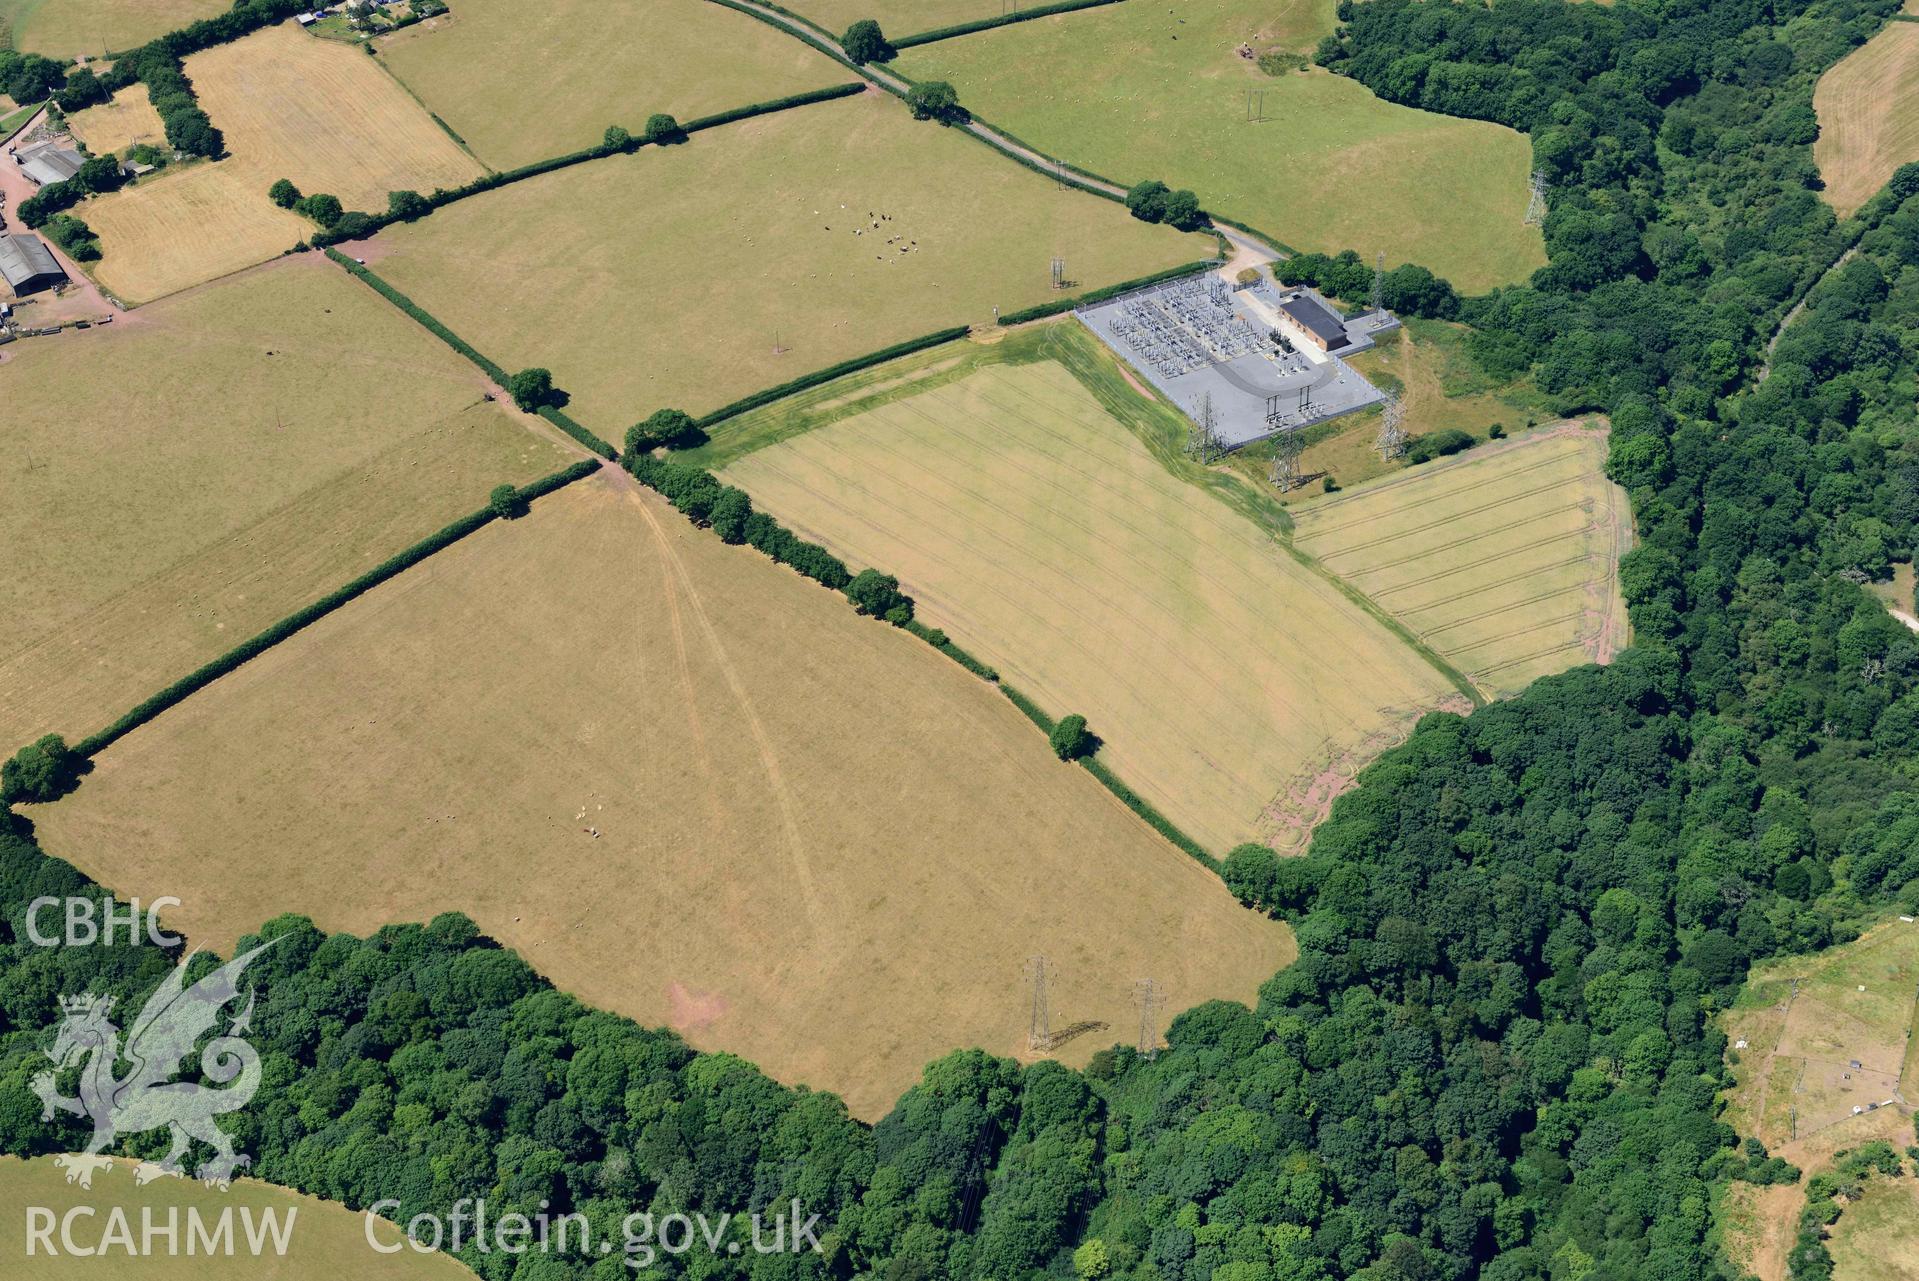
[(145, 1097)]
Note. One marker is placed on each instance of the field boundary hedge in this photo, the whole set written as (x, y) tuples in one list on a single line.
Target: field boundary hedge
[(433, 326), (780, 391), (1243, 229), (301, 619), (698, 495), (1003, 20), (1059, 305), (359, 224)]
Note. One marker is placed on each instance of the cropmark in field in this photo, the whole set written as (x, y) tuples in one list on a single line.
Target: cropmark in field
[(689, 276), (1505, 559), (688, 786), (1143, 90), (240, 450), (1020, 508)]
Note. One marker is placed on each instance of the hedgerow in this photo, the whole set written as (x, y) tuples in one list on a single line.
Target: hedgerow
[(253, 647), (828, 374), (577, 432), (420, 314), (848, 90), (1002, 20), (1147, 814), (619, 142), (1076, 301), (940, 641)]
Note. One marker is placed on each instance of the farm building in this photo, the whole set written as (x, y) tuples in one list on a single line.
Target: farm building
[(1316, 321), (49, 163), (28, 265)]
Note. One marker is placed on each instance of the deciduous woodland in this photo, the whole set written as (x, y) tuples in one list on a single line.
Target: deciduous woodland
[(1499, 1053)]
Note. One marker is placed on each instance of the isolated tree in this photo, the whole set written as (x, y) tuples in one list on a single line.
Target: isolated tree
[(864, 43), (322, 208), (661, 127), (531, 388), (506, 503), (934, 100), (1147, 200), (877, 594), (284, 194), (616, 138), (1182, 210), (42, 771), (665, 428), (1070, 739), (407, 206)]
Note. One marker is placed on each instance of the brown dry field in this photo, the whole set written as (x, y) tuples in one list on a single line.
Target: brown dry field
[(1504, 559), (318, 112), (1868, 108), (686, 784), (181, 229), (241, 450), (326, 116), (693, 275), (114, 126), (521, 82), (1043, 536)]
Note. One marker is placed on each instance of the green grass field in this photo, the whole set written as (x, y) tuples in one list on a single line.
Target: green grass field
[(523, 82), (693, 275), (237, 452), (1504, 559), (323, 1240), (1877, 1238), (898, 17), (685, 783), (70, 28), (1142, 90), (1031, 515)]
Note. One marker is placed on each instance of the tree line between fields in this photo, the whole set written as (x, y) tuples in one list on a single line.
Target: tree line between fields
[(1495, 1056)]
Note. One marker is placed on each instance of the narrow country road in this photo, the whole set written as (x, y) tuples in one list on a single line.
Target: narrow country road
[(1247, 250)]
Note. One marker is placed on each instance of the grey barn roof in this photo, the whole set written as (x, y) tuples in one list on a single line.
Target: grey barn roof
[(26, 259), (1313, 314), (52, 164)]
